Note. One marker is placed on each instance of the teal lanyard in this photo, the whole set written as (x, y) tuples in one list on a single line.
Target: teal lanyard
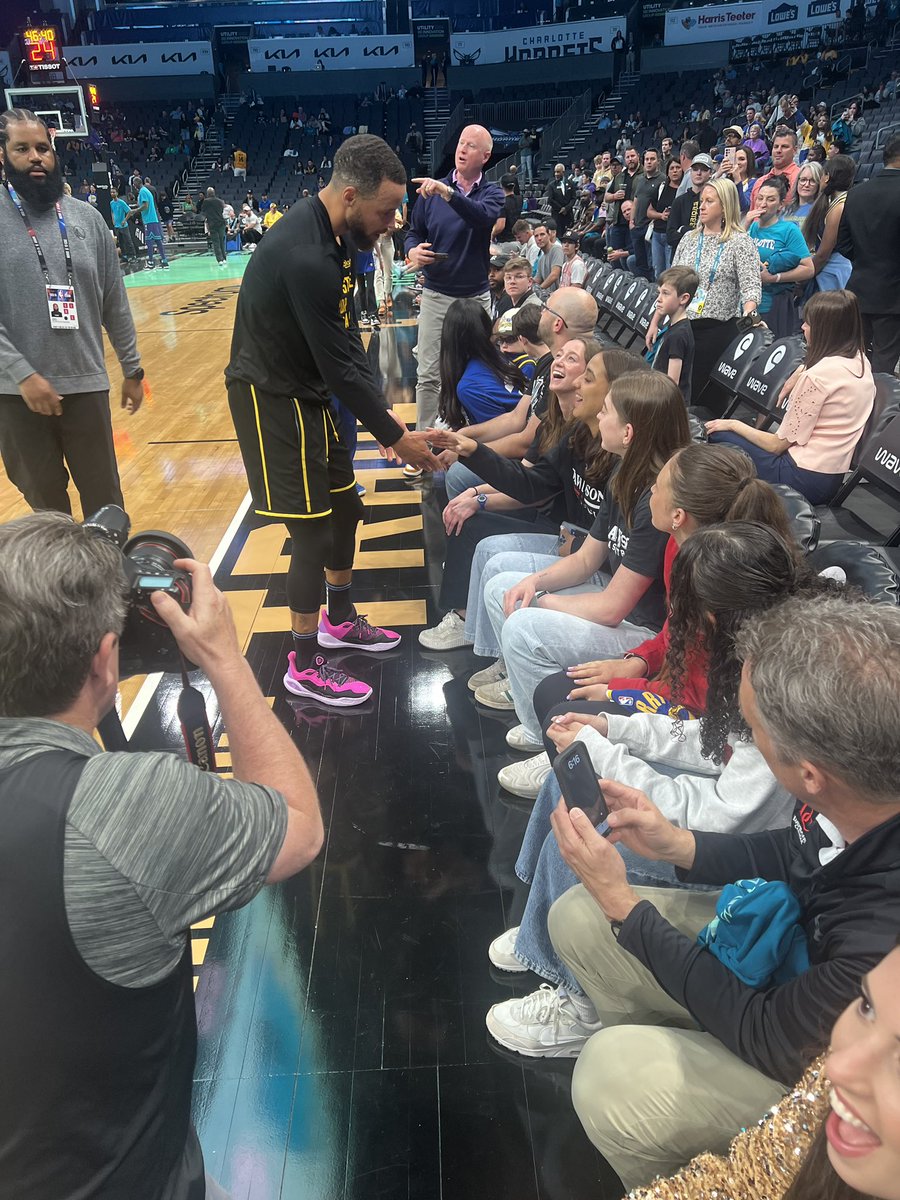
[(715, 266)]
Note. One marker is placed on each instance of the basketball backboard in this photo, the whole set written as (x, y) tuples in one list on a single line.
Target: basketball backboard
[(61, 106)]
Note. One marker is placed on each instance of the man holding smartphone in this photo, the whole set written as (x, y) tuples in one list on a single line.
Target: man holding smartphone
[(449, 240)]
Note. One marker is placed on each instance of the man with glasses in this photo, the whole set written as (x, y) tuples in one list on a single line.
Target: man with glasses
[(686, 208), (517, 283), (450, 241)]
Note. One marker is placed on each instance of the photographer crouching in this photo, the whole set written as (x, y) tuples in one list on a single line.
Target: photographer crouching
[(106, 860)]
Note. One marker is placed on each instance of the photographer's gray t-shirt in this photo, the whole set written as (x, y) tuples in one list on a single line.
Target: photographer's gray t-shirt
[(152, 845)]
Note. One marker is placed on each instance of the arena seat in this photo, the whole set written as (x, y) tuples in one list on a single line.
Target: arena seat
[(879, 469), (867, 568), (769, 371), (802, 517), (733, 366)]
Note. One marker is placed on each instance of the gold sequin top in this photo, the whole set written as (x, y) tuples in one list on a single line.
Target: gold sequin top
[(762, 1161)]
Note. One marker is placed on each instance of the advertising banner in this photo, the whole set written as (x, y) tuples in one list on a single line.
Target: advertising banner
[(574, 39), (140, 58), (334, 53), (722, 22)]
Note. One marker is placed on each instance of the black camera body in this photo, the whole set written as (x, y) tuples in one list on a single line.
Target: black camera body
[(148, 563)]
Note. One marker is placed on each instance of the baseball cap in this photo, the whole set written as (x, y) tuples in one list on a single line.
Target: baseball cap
[(498, 261), (702, 160), (571, 237), (504, 323), (734, 129)]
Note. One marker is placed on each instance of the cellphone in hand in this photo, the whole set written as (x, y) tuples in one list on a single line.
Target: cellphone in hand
[(579, 786), (439, 256)]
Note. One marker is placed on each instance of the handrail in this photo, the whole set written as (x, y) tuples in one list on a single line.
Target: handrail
[(516, 114), (439, 144), (840, 105), (554, 135), (881, 136)]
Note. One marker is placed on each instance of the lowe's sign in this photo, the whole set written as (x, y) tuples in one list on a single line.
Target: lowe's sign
[(330, 53), (722, 22), (140, 58), (576, 39)]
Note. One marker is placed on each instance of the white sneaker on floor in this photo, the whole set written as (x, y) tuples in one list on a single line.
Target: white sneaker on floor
[(501, 952), (492, 674), (517, 739), (496, 695), (525, 778), (542, 1025), (450, 634), (411, 472)]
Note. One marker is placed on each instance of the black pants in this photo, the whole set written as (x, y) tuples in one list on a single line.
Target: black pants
[(365, 292), (125, 238), (217, 240), (882, 335), (550, 701), (37, 451), (461, 549)]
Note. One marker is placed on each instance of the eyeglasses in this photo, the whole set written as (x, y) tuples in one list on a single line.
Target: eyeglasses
[(554, 313)]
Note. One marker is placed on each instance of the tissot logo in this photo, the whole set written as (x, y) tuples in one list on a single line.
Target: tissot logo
[(784, 14), (128, 60)]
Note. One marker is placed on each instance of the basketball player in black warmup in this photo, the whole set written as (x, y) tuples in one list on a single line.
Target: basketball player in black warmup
[(295, 344)]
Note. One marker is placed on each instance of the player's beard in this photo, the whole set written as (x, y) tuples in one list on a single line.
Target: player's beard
[(362, 238), (40, 192)]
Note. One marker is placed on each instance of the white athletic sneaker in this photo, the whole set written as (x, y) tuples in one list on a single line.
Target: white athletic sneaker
[(501, 952), (518, 739), (492, 674), (411, 472), (525, 778), (450, 634), (542, 1025), (496, 695)]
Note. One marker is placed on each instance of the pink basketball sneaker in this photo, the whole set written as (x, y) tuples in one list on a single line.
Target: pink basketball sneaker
[(326, 684), (357, 634)]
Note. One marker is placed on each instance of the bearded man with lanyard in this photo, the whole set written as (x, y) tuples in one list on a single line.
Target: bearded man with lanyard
[(59, 287)]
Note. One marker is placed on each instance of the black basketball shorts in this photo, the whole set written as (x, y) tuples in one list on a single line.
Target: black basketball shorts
[(294, 458)]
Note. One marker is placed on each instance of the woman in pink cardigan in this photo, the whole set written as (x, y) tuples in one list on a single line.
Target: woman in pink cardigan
[(829, 401)]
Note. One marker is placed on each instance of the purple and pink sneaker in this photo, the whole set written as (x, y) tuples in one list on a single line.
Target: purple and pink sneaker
[(326, 684), (357, 634)]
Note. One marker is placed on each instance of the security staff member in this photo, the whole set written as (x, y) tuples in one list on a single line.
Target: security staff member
[(54, 389)]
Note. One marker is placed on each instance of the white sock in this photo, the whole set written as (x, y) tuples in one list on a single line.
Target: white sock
[(584, 1008)]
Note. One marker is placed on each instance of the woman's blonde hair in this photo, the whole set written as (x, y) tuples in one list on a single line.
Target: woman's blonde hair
[(731, 206)]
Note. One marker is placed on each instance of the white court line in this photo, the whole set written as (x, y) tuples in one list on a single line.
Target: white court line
[(151, 683)]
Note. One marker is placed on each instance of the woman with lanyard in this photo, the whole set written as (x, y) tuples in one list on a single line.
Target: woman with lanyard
[(784, 257), (727, 264)]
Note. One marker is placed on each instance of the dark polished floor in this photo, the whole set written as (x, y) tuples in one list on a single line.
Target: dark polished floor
[(343, 1053)]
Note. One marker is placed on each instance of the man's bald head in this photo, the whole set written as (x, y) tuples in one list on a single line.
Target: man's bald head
[(474, 148), (574, 314)]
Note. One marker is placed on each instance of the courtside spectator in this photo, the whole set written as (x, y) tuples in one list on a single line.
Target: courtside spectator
[(673, 350), (549, 265)]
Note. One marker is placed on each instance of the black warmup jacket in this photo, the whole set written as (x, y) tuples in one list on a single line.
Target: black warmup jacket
[(850, 902), (295, 333)]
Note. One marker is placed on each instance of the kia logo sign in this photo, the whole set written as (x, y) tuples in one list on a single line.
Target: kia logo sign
[(743, 346), (774, 359)]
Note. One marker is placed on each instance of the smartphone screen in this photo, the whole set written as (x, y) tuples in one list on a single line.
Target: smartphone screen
[(579, 786)]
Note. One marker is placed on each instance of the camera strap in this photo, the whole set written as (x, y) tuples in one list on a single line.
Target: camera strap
[(198, 741)]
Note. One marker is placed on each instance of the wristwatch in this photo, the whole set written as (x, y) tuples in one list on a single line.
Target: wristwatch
[(138, 375)]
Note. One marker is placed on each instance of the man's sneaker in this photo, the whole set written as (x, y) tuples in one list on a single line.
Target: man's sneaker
[(492, 674), (360, 489), (411, 472), (542, 1025), (165, 266), (525, 778), (501, 952), (450, 634), (151, 266), (496, 695), (517, 739), (358, 634), (325, 684)]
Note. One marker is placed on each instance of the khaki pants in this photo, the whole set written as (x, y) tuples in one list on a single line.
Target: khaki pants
[(432, 311), (650, 1089)]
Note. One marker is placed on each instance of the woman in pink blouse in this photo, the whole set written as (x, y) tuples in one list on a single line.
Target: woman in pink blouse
[(829, 400)]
